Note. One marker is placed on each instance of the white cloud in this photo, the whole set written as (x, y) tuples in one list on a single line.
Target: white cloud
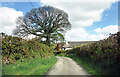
[(106, 15), (82, 13), (107, 30), (29, 37), (7, 29), (7, 19), (80, 34), (76, 34), (104, 32)]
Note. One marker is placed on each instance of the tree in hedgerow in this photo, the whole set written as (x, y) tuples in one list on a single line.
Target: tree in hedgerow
[(45, 22)]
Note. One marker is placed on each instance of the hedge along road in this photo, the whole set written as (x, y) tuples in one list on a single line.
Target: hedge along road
[(66, 66)]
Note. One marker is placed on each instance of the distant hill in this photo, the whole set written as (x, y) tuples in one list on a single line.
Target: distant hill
[(78, 43)]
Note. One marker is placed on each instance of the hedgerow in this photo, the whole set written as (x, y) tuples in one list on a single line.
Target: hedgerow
[(104, 53), (15, 48)]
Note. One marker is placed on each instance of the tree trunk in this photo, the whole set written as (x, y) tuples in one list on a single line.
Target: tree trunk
[(48, 40)]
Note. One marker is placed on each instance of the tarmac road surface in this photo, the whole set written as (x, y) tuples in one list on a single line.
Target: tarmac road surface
[(66, 66)]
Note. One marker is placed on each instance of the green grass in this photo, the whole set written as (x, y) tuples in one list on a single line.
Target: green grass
[(37, 66), (52, 46), (85, 64), (0, 67), (81, 45), (61, 54), (89, 66), (92, 68)]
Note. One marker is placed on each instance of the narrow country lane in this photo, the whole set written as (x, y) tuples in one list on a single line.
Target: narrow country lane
[(66, 66)]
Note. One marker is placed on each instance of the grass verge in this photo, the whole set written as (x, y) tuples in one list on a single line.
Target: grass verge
[(89, 66), (85, 64), (37, 66)]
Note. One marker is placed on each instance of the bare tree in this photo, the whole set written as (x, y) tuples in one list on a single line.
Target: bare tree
[(46, 22)]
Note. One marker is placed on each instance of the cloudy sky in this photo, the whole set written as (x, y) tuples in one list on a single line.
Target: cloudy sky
[(91, 20)]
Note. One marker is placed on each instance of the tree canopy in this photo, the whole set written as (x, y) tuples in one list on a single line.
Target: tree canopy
[(46, 22)]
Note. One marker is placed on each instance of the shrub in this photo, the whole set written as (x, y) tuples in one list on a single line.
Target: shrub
[(15, 48), (105, 53)]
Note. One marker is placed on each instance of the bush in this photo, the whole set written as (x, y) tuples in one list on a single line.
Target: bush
[(16, 48), (105, 53)]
